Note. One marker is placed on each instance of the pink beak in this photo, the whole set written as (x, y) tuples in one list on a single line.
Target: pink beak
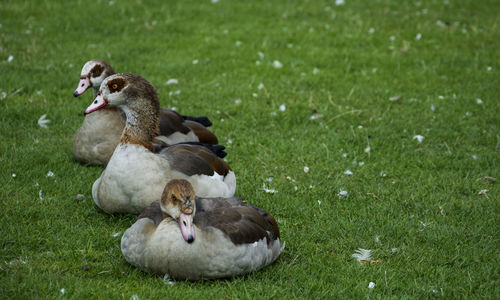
[(187, 229), (83, 85), (98, 103)]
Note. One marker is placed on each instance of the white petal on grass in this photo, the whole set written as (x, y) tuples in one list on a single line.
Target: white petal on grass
[(282, 107), (306, 169), (50, 174), (134, 297), (254, 94), (362, 254), (167, 279), (419, 138), (260, 54), (237, 101), (474, 156), (361, 163), (63, 291), (172, 81), (4, 95), (377, 239), (344, 155), (433, 108), (348, 172), (315, 71), (468, 114), (42, 121), (215, 1), (319, 202), (195, 61), (479, 101), (261, 86), (40, 195), (368, 149), (10, 59), (489, 68), (418, 37), (238, 43), (342, 193), (371, 285), (371, 30), (116, 234), (14, 175), (339, 2), (277, 64), (270, 191), (392, 38)]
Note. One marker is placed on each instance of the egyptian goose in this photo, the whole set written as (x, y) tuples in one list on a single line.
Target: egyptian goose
[(192, 238), (99, 134), (135, 176)]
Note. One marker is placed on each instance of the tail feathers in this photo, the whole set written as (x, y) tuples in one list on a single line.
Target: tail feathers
[(205, 121)]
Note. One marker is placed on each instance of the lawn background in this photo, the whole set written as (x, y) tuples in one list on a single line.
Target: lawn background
[(417, 205)]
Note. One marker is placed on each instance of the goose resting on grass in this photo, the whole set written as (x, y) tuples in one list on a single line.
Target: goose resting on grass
[(192, 238), (100, 132), (135, 176)]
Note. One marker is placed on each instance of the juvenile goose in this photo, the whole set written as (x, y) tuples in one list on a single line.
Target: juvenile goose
[(135, 176), (99, 134), (193, 238)]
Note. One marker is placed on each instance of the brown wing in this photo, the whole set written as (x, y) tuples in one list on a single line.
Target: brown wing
[(242, 223), (153, 212), (203, 134), (194, 159), (170, 122)]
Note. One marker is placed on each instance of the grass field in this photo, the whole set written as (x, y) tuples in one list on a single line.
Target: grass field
[(422, 205)]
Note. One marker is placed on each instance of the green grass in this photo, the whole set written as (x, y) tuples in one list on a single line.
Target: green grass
[(47, 240)]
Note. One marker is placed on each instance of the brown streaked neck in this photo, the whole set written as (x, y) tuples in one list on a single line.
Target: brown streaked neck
[(142, 124)]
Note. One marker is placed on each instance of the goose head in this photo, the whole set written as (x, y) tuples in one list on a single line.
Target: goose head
[(179, 202), (92, 75)]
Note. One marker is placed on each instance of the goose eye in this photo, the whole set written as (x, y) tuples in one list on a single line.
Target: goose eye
[(115, 86)]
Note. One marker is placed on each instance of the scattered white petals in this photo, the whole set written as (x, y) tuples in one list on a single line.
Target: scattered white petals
[(277, 64), (172, 81), (418, 37), (4, 95), (313, 117), (40, 195), (348, 172), (50, 174), (368, 149), (377, 239), (371, 285), (306, 169), (282, 107), (261, 86), (339, 2), (362, 254), (229, 141), (177, 92), (361, 163), (315, 71), (260, 54), (468, 114), (238, 43), (479, 101), (14, 175), (116, 234), (195, 61), (319, 202), (488, 68), (254, 94), (42, 122), (382, 174), (63, 291), (270, 178), (11, 58), (419, 138), (342, 193), (344, 155), (394, 250), (441, 97), (237, 101), (371, 30), (474, 156), (134, 297)]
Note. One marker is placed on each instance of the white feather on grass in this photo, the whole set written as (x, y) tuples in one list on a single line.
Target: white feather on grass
[(362, 255), (42, 122)]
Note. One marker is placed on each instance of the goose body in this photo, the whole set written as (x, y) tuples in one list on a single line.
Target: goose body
[(210, 238), (135, 176), (96, 139)]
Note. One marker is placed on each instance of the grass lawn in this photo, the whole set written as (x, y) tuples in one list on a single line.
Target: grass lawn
[(352, 169)]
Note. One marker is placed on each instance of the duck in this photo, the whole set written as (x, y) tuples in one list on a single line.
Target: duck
[(188, 237), (96, 139), (135, 175)]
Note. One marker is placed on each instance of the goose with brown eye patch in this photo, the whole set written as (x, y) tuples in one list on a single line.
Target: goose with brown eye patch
[(96, 139), (191, 237), (136, 175)]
